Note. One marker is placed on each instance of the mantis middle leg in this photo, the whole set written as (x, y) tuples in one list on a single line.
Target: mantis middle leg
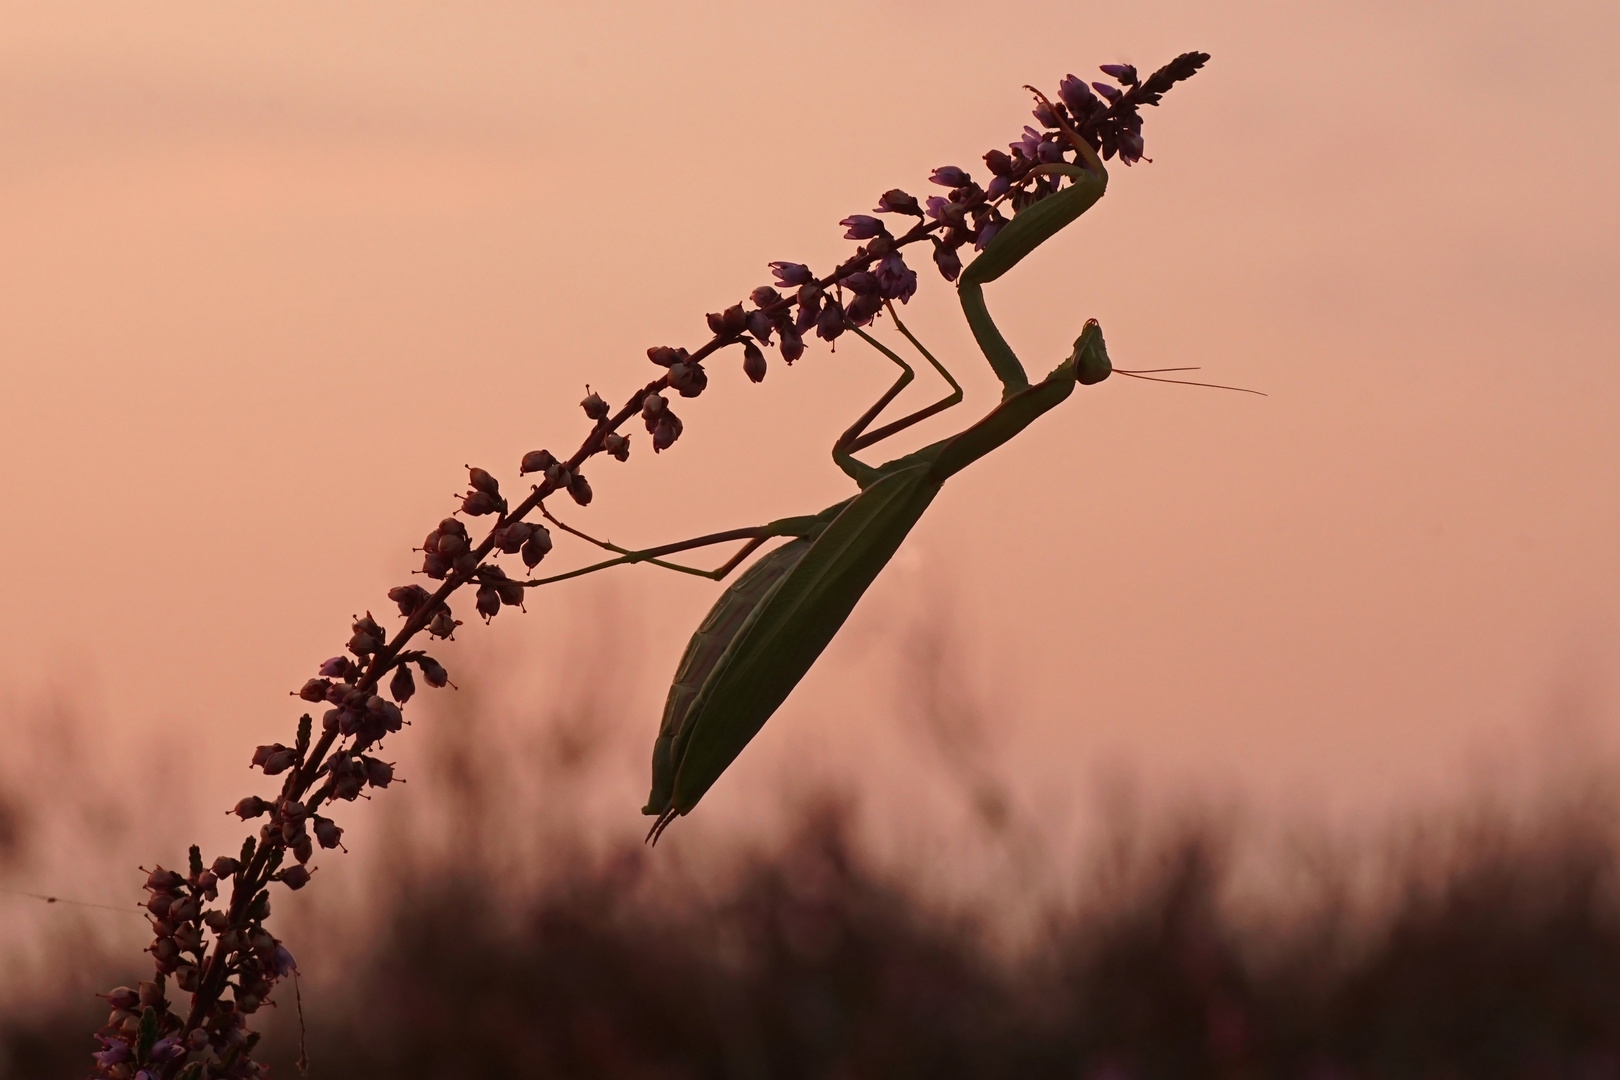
[(857, 437)]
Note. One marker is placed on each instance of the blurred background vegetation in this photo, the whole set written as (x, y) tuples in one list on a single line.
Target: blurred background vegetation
[(485, 928)]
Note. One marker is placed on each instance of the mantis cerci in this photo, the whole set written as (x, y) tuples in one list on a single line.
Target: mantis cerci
[(767, 629)]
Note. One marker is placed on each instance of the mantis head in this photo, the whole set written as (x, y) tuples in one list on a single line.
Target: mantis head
[(1090, 356)]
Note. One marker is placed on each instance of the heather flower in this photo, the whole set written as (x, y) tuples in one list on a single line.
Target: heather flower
[(664, 433), (479, 503), (335, 668), (167, 1049), (1050, 152), (895, 201), (999, 186), (1111, 93), (1029, 145), (115, 1052), (897, 280), (949, 176), (830, 323), (402, 686), (294, 877), (760, 325), (616, 446), (949, 263), (534, 549), (536, 461), (864, 308), (753, 362), (283, 961), (595, 408), (410, 599), (764, 296), (792, 345), (861, 283), (790, 275), (687, 378), (1125, 74), (862, 227)]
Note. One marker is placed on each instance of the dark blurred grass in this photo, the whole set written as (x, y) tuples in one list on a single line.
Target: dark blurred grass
[(1499, 955)]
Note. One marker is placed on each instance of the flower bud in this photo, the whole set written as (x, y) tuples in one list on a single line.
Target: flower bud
[(346, 788), (364, 644), (663, 355), (753, 362), (335, 668), (760, 325), (262, 753), (652, 407), (489, 602), (122, 997), (246, 1002), (616, 445), (538, 545), (294, 877), (536, 461), (158, 903), (477, 504), (198, 1039), (435, 566), (734, 321), (314, 690), (151, 994), (511, 592), (217, 921), (792, 345), (327, 832), (302, 849), (579, 489), (595, 408), (183, 909), (948, 261), (558, 477), (251, 807), (410, 598), (188, 937), (688, 378), (225, 866), (717, 323), (402, 685), (433, 672), (443, 625), (482, 481), (509, 538), (665, 432), (764, 296)]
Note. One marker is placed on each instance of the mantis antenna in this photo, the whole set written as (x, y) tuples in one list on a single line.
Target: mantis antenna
[(1146, 375)]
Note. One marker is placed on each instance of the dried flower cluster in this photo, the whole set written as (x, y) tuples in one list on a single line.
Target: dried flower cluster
[(203, 948)]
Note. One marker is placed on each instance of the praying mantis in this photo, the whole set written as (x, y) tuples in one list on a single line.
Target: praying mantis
[(770, 625)]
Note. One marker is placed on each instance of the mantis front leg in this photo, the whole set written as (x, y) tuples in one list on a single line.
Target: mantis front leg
[(1033, 226)]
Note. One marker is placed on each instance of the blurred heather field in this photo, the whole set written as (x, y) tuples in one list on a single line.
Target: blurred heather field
[(491, 924)]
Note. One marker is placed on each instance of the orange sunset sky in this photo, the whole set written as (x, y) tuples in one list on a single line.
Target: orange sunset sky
[(273, 272)]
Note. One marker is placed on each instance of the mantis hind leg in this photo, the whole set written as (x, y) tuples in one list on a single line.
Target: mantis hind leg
[(857, 437)]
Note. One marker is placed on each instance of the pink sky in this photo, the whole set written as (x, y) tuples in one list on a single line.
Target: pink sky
[(273, 273)]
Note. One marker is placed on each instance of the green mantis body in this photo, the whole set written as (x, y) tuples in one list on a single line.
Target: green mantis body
[(768, 628)]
